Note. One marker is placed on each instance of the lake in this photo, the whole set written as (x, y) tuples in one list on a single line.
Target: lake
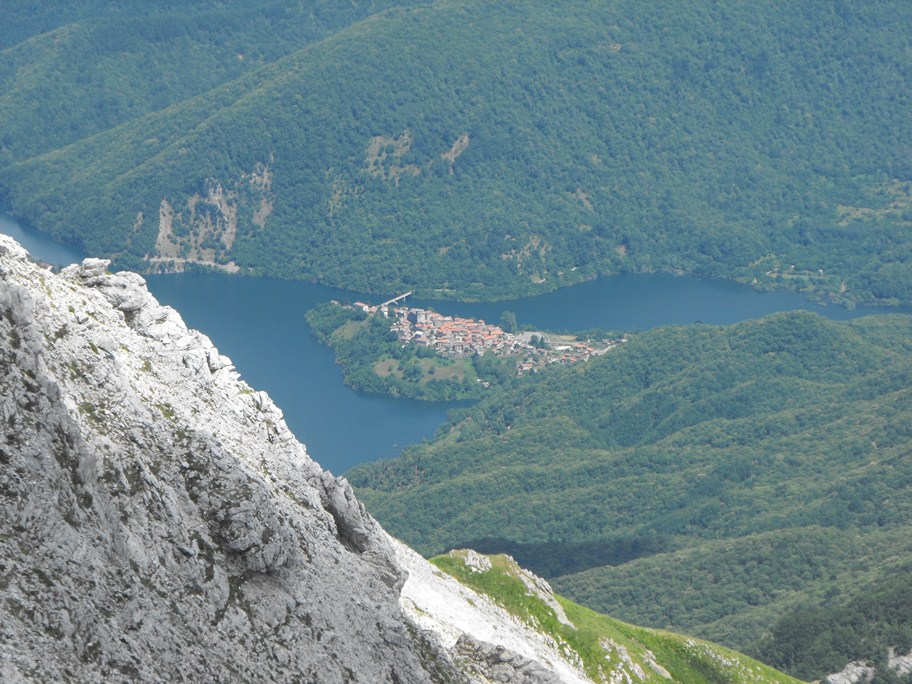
[(259, 323)]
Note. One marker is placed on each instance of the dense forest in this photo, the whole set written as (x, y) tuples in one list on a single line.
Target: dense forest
[(469, 149), (865, 628), (70, 70), (713, 480)]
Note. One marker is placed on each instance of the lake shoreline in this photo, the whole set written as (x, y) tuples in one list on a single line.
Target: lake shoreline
[(777, 282), (260, 324)]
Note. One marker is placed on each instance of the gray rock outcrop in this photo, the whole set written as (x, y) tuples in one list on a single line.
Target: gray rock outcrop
[(492, 663), (158, 520), (856, 672)]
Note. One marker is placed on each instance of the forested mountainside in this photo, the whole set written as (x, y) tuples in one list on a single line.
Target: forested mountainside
[(707, 479), (470, 149), (872, 624), (70, 70)]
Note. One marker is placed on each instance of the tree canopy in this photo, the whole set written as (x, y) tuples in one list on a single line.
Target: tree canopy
[(472, 149), (706, 479)]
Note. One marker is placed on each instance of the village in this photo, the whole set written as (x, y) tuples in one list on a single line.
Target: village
[(456, 337)]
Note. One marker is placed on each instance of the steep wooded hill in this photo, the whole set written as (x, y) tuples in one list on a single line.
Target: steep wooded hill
[(472, 149), (711, 479), (70, 70)]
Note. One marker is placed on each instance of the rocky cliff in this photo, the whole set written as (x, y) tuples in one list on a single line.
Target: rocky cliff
[(159, 522)]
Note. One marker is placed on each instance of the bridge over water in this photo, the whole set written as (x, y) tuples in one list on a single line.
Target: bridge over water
[(395, 299)]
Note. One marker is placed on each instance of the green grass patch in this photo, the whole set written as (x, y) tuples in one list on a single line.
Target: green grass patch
[(167, 410), (602, 644), (349, 329), (388, 367)]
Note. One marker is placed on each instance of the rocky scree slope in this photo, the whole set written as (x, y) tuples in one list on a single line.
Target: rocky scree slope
[(158, 521)]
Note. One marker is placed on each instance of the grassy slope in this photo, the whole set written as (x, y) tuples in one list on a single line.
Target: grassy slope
[(711, 139), (596, 638), (702, 479)]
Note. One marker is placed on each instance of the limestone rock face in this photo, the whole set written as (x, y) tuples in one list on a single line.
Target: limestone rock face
[(498, 664), (486, 641), (158, 520)]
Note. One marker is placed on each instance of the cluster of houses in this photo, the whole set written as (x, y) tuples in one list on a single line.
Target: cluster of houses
[(453, 336), (456, 337), (564, 354)]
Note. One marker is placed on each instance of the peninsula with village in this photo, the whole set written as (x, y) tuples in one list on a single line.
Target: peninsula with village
[(419, 353)]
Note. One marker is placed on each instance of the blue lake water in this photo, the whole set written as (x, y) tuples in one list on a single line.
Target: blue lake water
[(39, 245), (260, 324)]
